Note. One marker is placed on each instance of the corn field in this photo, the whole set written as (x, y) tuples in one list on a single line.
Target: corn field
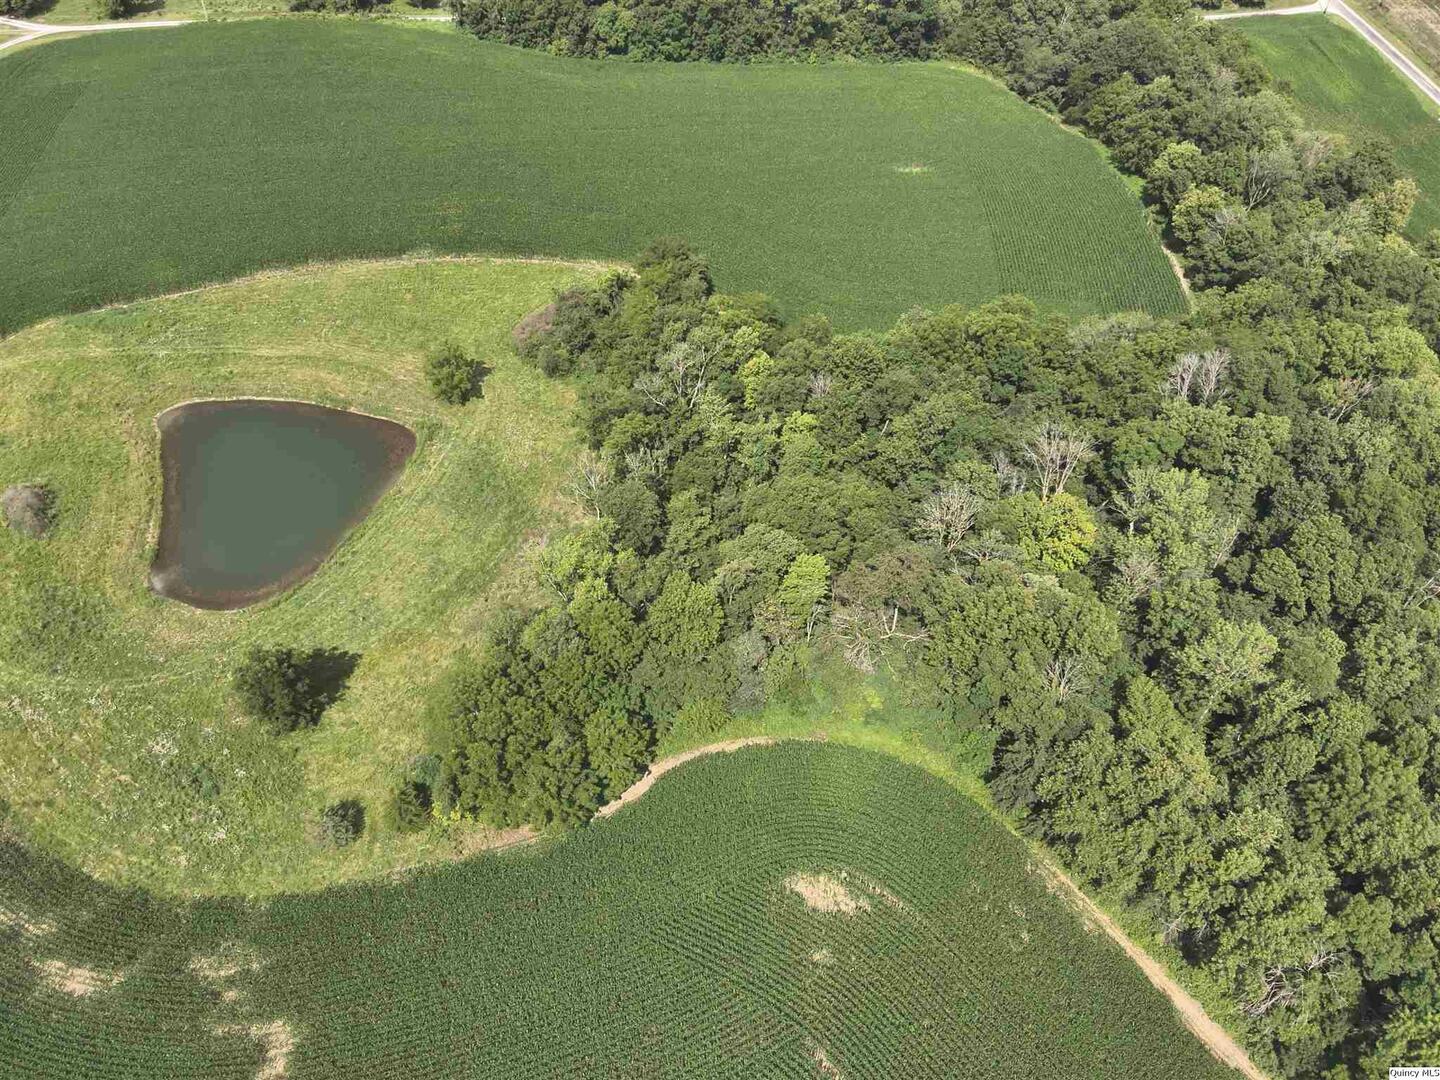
[(802, 910)]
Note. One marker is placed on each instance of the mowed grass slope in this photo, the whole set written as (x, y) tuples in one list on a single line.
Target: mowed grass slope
[(667, 941), (133, 167), (1340, 83), (124, 750)]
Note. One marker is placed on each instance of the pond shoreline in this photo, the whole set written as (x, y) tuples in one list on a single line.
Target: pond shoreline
[(169, 577)]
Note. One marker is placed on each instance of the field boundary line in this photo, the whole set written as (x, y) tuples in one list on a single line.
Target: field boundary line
[(1221, 1044), (1192, 1014), (1383, 45), (30, 31), (657, 769)]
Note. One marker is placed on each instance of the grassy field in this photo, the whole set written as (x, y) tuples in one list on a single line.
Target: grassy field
[(1340, 83), (114, 705), (202, 153), (803, 910)]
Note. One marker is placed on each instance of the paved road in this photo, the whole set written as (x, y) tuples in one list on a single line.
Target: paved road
[(1427, 85)]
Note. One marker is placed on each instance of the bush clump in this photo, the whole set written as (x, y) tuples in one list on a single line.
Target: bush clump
[(413, 801), (340, 824), (286, 689), (420, 794), (454, 376)]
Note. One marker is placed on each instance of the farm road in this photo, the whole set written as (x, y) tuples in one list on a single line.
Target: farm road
[(29, 31), (1427, 85), (1214, 1037)]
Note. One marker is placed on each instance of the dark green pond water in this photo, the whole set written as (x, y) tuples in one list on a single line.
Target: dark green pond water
[(257, 494)]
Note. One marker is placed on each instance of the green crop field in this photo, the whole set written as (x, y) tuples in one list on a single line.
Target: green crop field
[(114, 704), (1340, 83), (133, 167), (799, 910)]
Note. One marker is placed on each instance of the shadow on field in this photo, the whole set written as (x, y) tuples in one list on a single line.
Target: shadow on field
[(329, 671)]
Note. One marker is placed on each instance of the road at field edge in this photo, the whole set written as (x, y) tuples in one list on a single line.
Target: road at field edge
[(1192, 1014), (1399, 60)]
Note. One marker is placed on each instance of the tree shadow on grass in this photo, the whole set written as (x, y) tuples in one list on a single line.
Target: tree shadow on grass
[(481, 372), (328, 672)]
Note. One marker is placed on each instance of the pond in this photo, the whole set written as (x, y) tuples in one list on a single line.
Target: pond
[(257, 494)]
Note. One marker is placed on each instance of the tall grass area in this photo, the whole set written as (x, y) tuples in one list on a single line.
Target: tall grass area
[(862, 190), (124, 749), (1341, 83), (868, 712), (672, 940)]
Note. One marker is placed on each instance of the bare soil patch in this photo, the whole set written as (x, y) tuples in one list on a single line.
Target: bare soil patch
[(276, 1039), (29, 509), (824, 1065), (78, 982), (823, 893)]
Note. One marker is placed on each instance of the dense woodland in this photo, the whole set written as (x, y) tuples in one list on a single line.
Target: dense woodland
[(1181, 577)]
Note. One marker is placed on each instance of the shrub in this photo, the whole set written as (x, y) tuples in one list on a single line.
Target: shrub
[(112, 9), (340, 824), (286, 689), (413, 801), (454, 377), (700, 718), (200, 780)]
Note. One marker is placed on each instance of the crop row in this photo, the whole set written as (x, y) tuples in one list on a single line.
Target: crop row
[(661, 942)]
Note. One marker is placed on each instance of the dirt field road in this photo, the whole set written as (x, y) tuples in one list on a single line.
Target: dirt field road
[(1214, 1037)]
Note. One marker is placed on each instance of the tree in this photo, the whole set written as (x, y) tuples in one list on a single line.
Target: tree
[(635, 510), (685, 619), (1410, 1037), (798, 600), (1230, 657), (340, 824), (1054, 535), (618, 742), (286, 689), (947, 516), (412, 806), (1055, 452), (1128, 795), (454, 376)]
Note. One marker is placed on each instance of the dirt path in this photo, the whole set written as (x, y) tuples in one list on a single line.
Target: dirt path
[(1192, 1014), (1214, 1037), (664, 765), (1339, 8), (29, 31)]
